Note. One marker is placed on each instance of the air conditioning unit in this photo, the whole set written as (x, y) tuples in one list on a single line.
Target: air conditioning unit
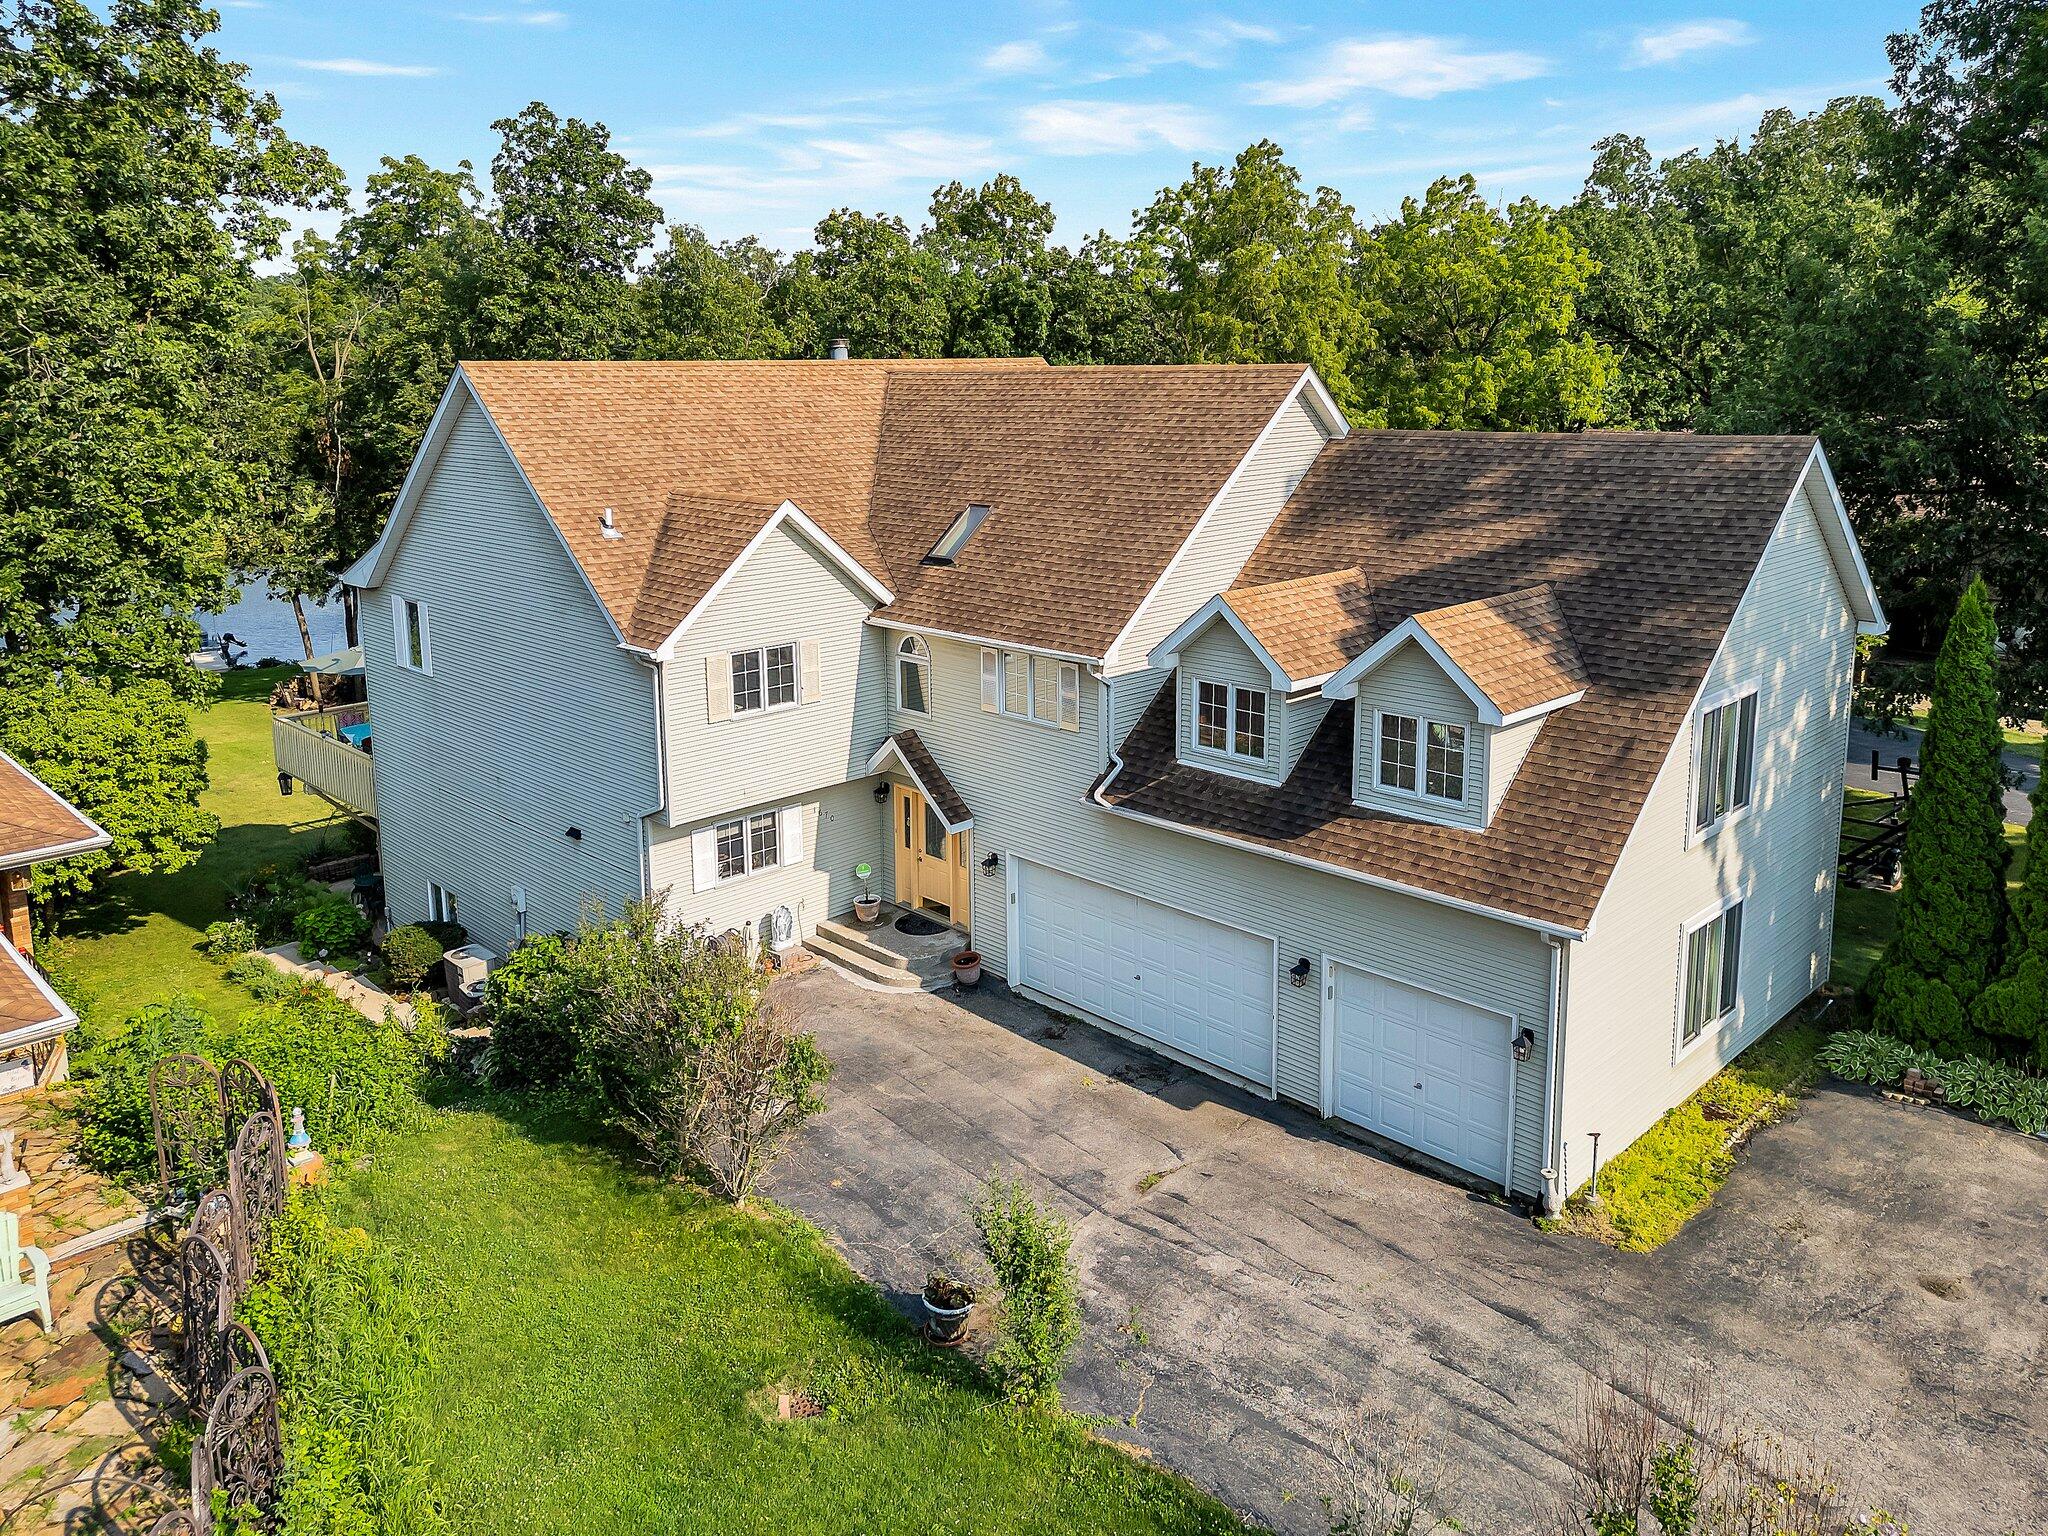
[(465, 970)]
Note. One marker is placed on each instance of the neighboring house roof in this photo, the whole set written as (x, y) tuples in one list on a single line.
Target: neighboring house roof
[(29, 1010), (1303, 630), (1512, 655), (1647, 542), (908, 752), (1095, 478), (36, 823)]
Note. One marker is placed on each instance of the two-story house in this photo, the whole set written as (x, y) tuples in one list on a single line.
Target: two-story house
[(1478, 790)]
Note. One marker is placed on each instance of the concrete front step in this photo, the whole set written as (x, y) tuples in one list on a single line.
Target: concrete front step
[(847, 936), (863, 962)]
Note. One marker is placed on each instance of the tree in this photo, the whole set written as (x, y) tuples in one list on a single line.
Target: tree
[(1250, 268), (1473, 318), (700, 300), (2013, 1010), (1031, 1252), (1952, 904), (143, 177), (992, 241), (572, 218), (867, 281)]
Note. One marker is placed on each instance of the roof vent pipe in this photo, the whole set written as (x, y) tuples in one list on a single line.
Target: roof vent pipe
[(841, 349), (611, 527)]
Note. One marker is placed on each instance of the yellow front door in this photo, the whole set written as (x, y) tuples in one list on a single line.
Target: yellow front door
[(931, 863)]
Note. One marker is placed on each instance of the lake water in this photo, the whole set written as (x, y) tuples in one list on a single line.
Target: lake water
[(264, 624)]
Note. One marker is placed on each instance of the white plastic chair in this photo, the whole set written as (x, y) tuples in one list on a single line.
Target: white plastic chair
[(18, 1296)]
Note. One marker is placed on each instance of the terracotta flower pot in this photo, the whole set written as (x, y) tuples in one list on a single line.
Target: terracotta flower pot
[(967, 968)]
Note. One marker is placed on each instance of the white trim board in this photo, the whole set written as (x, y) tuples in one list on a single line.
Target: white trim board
[(889, 749), (98, 837)]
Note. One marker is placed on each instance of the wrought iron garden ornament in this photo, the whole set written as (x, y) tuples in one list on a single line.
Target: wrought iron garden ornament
[(206, 1296), (256, 1189), (241, 1453), (184, 1116), (243, 1092)]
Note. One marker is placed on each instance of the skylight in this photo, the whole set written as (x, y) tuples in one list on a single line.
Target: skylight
[(955, 538)]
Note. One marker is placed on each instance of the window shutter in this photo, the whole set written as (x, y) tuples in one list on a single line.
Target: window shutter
[(718, 686), (790, 835), (704, 858), (808, 688), (1070, 697), (990, 685)]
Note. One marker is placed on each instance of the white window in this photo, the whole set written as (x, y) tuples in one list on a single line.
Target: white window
[(763, 679), (1028, 687), (1397, 753), (1724, 769), (1443, 776), (1231, 720), (441, 905), (913, 677), (1418, 756), (747, 845), (1713, 962), (409, 628)]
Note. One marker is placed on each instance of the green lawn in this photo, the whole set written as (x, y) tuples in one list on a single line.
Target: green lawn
[(607, 1353), (2025, 736), (134, 944)]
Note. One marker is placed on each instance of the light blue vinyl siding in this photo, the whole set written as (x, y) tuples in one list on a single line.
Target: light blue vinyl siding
[(533, 720), (1217, 655), (1409, 682), (843, 827), (1027, 788), (785, 592)]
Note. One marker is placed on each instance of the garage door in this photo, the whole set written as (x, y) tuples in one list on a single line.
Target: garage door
[(1423, 1070), (1201, 987)]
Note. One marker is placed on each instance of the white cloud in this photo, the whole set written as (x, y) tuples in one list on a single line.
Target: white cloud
[(364, 67), (1024, 57), (1413, 67), (515, 18), (1667, 45), (1111, 127), (1206, 45)]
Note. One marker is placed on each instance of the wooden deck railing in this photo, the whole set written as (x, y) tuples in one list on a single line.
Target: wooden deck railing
[(306, 747)]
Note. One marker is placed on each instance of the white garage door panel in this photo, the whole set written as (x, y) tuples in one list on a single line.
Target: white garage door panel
[(1425, 1070), (1201, 987)]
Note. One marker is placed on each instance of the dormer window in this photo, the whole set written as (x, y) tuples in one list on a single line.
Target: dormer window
[(1231, 720), (1440, 760), (955, 538)]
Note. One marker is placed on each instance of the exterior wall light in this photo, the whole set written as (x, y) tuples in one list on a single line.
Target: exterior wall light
[(991, 864), (1525, 1043), (1298, 973), (882, 792), (284, 783), (574, 834)]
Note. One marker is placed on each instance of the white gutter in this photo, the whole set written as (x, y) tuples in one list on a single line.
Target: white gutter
[(1553, 1081)]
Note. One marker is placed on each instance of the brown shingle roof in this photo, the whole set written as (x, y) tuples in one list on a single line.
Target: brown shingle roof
[(1095, 475), (1311, 625), (1647, 541), (1516, 647), (33, 818), (930, 777), (24, 1005)]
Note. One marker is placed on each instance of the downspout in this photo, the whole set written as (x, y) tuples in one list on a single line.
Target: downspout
[(1553, 1076)]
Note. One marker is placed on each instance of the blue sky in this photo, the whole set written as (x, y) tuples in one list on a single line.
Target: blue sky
[(761, 117)]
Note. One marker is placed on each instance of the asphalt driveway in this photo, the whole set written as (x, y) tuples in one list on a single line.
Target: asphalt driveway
[(1872, 1283)]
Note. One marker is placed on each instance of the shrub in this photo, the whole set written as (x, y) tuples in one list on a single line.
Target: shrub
[(2013, 1010), (227, 939), (409, 954), (1029, 1250), (1994, 1093), (271, 899), (331, 927), (1952, 903), (538, 1001), (689, 1066), (115, 1135), (346, 1342)]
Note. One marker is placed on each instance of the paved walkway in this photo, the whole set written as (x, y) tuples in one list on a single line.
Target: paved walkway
[(367, 1000)]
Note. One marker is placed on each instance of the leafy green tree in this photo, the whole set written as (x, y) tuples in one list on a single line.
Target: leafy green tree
[(2013, 1010), (572, 216), (142, 178), (868, 281), (125, 756), (1473, 314), (1108, 307), (993, 243), (700, 300), (1952, 904), (1250, 268)]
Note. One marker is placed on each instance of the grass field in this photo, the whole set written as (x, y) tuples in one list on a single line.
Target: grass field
[(607, 1354), (133, 944)]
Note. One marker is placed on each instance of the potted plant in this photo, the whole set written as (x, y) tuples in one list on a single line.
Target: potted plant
[(967, 966), (948, 1303), (867, 906)]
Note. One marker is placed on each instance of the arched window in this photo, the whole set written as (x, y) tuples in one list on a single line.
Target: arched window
[(913, 677)]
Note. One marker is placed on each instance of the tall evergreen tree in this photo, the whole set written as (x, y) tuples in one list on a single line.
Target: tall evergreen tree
[(2013, 1010), (1952, 906)]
